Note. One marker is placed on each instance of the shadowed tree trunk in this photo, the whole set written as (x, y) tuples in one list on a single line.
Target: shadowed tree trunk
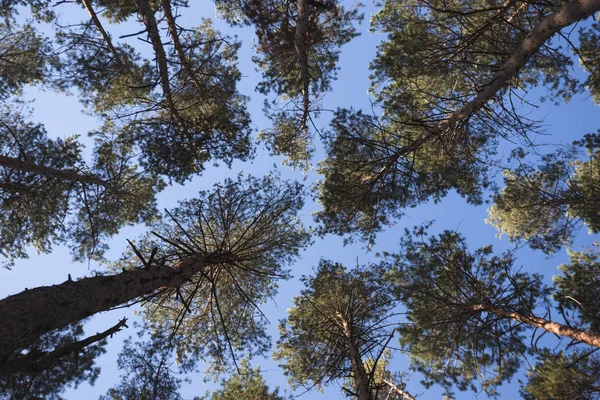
[(35, 363), (29, 314), (66, 175)]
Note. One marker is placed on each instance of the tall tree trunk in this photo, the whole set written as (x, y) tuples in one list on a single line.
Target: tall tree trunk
[(361, 378), (590, 338), (90, 9), (29, 314), (166, 6), (300, 42), (66, 175), (147, 15), (570, 13)]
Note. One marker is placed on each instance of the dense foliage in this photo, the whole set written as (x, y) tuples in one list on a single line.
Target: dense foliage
[(453, 90)]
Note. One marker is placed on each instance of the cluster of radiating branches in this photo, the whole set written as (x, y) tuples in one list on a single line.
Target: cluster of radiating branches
[(341, 319), (248, 231)]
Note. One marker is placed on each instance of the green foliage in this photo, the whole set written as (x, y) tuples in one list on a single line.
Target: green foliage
[(543, 205), (562, 376), (203, 118), (147, 372), (25, 222), (578, 288), (24, 58), (589, 54), (84, 206), (451, 335), (215, 316), (329, 26), (367, 182), (437, 54), (70, 370), (337, 306), (247, 384)]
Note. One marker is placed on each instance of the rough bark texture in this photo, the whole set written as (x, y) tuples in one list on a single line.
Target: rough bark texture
[(90, 9), (562, 330), (568, 14), (67, 175), (300, 42), (33, 364), (361, 378), (29, 314)]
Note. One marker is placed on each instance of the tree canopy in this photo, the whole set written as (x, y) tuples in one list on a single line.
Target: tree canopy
[(451, 112)]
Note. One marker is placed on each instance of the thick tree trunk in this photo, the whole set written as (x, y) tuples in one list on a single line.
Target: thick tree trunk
[(569, 14), (29, 314), (300, 42), (592, 339), (32, 364), (361, 379), (66, 175)]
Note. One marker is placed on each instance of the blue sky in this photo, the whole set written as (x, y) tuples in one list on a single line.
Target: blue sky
[(63, 117)]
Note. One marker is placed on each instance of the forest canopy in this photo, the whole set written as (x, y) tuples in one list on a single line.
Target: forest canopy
[(273, 199)]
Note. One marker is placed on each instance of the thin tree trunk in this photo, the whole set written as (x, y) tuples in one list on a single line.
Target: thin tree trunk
[(570, 13), (90, 9), (147, 15), (300, 42), (592, 339), (399, 391), (29, 314), (34, 364), (361, 378), (66, 175), (166, 6)]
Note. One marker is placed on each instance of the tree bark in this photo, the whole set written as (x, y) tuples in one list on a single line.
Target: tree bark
[(166, 6), (90, 9), (399, 391), (29, 314), (147, 15), (66, 175), (590, 338), (34, 364), (361, 377), (568, 14)]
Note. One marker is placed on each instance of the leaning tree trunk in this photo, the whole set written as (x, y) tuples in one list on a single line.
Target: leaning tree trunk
[(62, 174), (590, 338), (32, 363), (28, 315), (568, 14)]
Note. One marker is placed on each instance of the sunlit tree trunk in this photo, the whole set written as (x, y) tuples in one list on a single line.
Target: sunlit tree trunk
[(559, 329)]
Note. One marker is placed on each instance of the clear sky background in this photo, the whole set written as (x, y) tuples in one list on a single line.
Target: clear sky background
[(63, 117)]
